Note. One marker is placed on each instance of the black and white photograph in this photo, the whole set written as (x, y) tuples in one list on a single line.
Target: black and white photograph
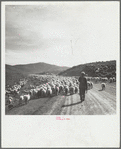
[(61, 59)]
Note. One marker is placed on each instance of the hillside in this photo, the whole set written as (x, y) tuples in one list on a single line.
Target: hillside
[(14, 73), (39, 68), (102, 69)]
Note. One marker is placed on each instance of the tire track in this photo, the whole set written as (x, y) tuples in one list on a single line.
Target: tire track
[(29, 108), (106, 108), (72, 97), (64, 107), (109, 99), (50, 106), (69, 106), (39, 110), (111, 90), (80, 107), (75, 110), (90, 108), (100, 110), (104, 93), (57, 107)]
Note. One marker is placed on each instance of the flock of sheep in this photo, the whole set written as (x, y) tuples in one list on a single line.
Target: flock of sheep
[(12, 91), (55, 86), (102, 80), (15, 88)]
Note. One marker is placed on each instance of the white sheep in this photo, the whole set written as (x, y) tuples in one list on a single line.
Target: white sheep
[(49, 92), (43, 93), (111, 80), (39, 93), (91, 85), (103, 85), (88, 85), (27, 98), (66, 89), (35, 91), (76, 89), (57, 90), (53, 90), (10, 100), (21, 99), (61, 89), (72, 90), (114, 79)]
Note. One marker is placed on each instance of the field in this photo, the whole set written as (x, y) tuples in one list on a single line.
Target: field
[(97, 102)]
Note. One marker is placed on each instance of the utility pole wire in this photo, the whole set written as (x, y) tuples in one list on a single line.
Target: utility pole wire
[(71, 47), (76, 41), (74, 44)]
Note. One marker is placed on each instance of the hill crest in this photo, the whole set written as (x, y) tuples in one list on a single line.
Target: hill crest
[(101, 68), (16, 72)]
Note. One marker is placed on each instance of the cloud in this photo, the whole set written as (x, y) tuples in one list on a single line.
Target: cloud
[(93, 28), (23, 31)]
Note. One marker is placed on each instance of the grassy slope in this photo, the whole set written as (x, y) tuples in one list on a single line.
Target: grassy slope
[(39, 68), (106, 69), (14, 73)]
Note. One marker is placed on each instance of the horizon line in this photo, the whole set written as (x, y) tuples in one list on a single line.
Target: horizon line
[(58, 65)]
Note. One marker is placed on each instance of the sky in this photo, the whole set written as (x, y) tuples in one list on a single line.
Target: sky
[(61, 33)]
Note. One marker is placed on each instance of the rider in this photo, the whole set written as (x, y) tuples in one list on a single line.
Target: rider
[(82, 86)]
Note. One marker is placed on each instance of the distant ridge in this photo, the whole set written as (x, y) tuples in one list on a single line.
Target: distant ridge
[(102, 69), (15, 72), (36, 68)]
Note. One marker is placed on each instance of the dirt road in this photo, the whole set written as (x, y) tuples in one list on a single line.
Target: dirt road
[(97, 102)]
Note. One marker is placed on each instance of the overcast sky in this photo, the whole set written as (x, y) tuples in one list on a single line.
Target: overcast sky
[(50, 31)]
